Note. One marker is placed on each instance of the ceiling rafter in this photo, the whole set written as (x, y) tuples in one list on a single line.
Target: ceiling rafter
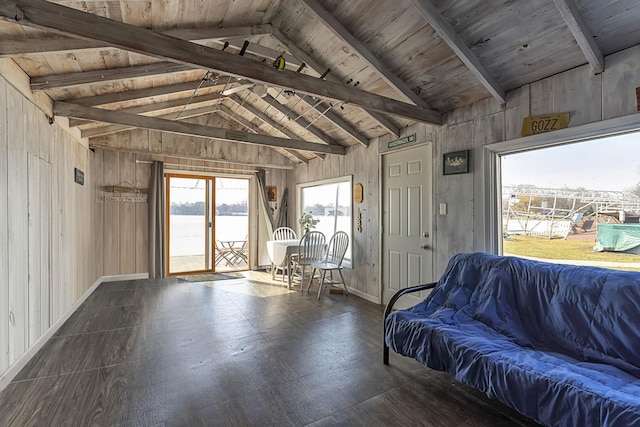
[(365, 54), (25, 46), (267, 120), (115, 128), (232, 116), (448, 34), (573, 18), (54, 81), (301, 122), (160, 106), (318, 68), (90, 113), (50, 16), (132, 95)]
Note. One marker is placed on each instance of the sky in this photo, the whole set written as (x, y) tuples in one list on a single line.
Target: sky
[(603, 164), (228, 190)]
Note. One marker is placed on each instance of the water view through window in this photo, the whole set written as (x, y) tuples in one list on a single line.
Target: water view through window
[(208, 224)]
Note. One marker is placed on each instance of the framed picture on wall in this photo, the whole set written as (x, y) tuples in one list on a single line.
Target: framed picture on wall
[(455, 162), (272, 194)]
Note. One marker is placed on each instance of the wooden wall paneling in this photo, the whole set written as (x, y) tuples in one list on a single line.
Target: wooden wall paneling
[(33, 210), (127, 214), (56, 207), (517, 108), (4, 247), (620, 81), (370, 223), (143, 171), (454, 231), (111, 216), (578, 92), (71, 222), (45, 241), (97, 172), (17, 225), (83, 216), (541, 97)]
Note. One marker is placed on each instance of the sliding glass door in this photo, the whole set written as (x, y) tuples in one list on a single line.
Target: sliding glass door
[(208, 227)]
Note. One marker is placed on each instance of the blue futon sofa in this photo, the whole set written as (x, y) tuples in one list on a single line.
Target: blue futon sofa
[(558, 343)]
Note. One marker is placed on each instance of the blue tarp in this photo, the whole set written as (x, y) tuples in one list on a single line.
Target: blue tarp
[(559, 343)]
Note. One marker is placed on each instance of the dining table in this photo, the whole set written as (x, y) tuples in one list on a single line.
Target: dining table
[(280, 251)]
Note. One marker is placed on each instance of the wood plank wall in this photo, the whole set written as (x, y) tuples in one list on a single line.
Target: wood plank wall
[(587, 97), (46, 234)]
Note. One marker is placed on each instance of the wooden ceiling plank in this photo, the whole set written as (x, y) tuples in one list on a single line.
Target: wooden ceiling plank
[(26, 46), (448, 34), (318, 68), (100, 76), (572, 16), (66, 109), (61, 19), (364, 53)]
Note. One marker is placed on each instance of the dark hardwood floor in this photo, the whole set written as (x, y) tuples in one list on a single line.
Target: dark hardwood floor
[(235, 352)]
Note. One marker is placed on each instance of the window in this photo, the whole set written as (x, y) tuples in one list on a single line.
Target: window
[(329, 203), (558, 195)]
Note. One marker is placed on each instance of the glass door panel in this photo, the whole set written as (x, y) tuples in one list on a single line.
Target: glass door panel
[(189, 216), (231, 224)]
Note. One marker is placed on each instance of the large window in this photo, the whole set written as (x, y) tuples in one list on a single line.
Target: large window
[(329, 203), (573, 202)]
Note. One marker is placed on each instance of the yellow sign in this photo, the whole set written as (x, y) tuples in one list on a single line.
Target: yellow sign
[(540, 124)]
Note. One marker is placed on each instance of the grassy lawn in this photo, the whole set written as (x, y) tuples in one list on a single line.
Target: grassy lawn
[(538, 247)]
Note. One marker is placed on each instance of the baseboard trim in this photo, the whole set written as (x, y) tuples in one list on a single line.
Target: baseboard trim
[(21, 362), (137, 276), (360, 294)]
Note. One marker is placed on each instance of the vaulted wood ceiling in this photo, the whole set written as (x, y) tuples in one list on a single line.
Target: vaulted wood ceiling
[(371, 67)]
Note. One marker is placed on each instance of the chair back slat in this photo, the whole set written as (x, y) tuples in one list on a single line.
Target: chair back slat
[(337, 248), (311, 248), (284, 233)]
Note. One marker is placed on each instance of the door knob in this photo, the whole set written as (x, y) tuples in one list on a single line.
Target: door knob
[(425, 247)]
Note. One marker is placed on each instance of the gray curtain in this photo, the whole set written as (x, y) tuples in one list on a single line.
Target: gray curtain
[(156, 222), (283, 213)]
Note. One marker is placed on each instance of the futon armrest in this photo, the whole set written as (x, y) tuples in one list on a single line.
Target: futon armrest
[(389, 308)]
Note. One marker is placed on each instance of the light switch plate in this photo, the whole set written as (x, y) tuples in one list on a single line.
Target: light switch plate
[(443, 208)]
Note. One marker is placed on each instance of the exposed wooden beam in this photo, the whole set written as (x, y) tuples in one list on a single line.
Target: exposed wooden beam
[(131, 95), (61, 19), (231, 116), (25, 46), (365, 54), (313, 64), (327, 112), (99, 76), (447, 33), (115, 128), (267, 120), (160, 106), (301, 122), (572, 16), (71, 110)]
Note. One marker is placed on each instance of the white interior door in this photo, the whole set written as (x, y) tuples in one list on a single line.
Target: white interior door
[(407, 258)]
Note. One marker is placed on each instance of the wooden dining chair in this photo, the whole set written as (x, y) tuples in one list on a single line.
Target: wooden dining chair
[(282, 233), (310, 250), (332, 261)]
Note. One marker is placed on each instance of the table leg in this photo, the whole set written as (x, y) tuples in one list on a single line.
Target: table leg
[(289, 271)]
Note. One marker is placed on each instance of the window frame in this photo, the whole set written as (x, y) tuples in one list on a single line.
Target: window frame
[(492, 154), (347, 263)]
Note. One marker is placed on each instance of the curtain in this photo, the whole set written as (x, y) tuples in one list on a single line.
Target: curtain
[(283, 213), (261, 178), (156, 221)]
